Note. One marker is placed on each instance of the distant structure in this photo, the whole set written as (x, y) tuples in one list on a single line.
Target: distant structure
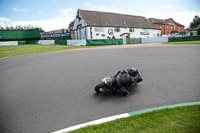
[(56, 31), (168, 26), (60, 33), (105, 25), (191, 32)]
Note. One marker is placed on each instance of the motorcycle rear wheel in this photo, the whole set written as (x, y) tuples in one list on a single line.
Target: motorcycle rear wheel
[(98, 87)]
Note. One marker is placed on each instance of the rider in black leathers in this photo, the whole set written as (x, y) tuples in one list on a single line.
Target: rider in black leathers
[(126, 78)]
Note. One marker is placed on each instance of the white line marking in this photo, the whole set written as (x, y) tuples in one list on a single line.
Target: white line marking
[(95, 122)]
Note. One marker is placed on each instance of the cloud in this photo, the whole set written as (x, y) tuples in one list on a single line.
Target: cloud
[(68, 12), (3, 19), (168, 6), (60, 22), (23, 10), (47, 25), (18, 10), (87, 4), (94, 7), (15, 9), (103, 8), (39, 11)]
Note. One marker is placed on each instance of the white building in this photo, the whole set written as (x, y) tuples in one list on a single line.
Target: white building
[(104, 25)]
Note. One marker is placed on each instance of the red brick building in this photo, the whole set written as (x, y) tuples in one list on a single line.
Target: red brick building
[(167, 26)]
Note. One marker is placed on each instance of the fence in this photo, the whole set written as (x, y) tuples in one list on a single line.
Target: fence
[(19, 34), (133, 40), (155, 40), (94, 42)]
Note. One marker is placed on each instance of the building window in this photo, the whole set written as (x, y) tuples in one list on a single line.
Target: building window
[(79, 26), (160, 27), (131, 29), (171, 27), (174, 27), (179, 28), (98, 29), (167, 27), (117, 29)]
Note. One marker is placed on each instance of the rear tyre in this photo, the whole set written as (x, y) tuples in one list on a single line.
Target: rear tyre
[(99, 87)]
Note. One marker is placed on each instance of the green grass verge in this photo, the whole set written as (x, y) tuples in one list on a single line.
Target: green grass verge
[(185, 42), (185, 119), (6, 51)]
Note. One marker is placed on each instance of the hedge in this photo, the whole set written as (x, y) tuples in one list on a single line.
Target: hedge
[(186, 38)]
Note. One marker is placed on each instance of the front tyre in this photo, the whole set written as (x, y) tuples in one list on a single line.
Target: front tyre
[(99, 87), (126, 93)]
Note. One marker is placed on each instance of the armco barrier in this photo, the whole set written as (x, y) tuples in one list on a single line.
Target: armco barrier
[(8, 43), (61, 42), (133, 41), (104, 42), (76, 42), (32, 42), (186, 38), (49, 42), (28, 42), (21, 42), (155, 40)]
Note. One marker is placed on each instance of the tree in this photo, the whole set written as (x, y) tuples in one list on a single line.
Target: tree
[(1, 28), (41, 30), (71, 24), (198, 30), (195, 22)]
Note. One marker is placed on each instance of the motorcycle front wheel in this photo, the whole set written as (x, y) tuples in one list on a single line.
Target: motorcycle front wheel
[(99, 87)]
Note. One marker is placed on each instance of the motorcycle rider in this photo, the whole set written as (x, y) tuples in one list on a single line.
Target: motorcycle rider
[(126, 78)]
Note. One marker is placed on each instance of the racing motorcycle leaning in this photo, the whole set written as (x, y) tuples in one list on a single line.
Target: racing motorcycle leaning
[(120, 81)]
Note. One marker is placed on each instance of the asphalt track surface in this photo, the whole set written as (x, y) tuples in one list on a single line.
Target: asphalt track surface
[(41, 93)]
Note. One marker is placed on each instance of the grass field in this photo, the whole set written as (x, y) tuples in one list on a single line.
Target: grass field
[(6, 51), (185, 42), (184, 119)]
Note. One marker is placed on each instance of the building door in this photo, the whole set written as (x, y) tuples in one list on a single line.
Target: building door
[(79, 33)]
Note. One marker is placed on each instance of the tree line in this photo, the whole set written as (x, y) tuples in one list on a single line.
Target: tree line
[(20, 27)]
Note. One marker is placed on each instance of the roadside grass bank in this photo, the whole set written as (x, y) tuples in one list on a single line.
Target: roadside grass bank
[(6, 51), (183, 119), (184, 42)]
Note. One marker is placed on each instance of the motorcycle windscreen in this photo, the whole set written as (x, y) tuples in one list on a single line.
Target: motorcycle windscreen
[(108, 81)]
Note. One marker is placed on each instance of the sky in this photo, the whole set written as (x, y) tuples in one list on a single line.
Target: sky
[(57, 14)]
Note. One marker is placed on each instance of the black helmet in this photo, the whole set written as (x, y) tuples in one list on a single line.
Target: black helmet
[(132, 71)]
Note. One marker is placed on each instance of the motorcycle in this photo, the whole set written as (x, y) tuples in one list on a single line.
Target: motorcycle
[(108, 84)]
